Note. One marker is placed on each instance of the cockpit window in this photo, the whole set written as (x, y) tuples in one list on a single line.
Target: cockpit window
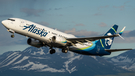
[(11, 19)]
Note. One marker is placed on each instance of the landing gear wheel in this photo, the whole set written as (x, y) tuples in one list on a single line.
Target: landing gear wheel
[(12, 36), (52, 51), (64, 50)]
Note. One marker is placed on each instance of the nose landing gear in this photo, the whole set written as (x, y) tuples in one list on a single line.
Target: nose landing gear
[(12, 36), (11, 31)]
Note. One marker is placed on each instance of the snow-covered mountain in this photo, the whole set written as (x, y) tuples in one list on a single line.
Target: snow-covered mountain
[(125, 60), (39, 60)]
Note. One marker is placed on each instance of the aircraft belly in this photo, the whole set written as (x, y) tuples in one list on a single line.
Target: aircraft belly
[(89, 50), (58, 45), (82, 49)]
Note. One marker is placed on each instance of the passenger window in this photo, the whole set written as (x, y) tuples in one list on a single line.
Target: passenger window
[(22, 24)]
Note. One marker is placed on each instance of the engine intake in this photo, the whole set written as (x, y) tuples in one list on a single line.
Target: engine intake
[(34, 43), (53, 38)]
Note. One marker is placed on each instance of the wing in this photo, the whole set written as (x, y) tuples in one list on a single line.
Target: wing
[(114, 50), (88, 39)]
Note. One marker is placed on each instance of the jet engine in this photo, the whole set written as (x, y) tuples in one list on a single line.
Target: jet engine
[(53, 39), (34, 43)]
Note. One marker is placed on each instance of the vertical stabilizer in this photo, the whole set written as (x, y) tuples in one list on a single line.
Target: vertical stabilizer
[(107, 42)]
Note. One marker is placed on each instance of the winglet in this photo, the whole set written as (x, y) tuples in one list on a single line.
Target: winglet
[(122, 30)]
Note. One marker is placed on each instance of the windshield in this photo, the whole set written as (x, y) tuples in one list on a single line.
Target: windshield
[(11, 19)]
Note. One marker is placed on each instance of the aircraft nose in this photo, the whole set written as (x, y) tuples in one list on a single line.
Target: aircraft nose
[(3, 22)]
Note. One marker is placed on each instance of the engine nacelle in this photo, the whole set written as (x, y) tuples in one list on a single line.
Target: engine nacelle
[(34, 43)]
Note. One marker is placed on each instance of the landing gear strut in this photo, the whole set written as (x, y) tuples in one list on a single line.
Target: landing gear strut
[(11, 31), (53, 39)]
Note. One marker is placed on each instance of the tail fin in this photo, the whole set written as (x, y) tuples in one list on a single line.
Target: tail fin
[(107, 42)]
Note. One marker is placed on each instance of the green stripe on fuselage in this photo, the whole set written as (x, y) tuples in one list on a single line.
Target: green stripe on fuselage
[(85, 47)]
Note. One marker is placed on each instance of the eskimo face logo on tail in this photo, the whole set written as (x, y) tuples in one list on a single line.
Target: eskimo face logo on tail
[(34, 29), (108, 41)]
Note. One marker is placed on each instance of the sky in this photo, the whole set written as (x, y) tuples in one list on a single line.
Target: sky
[(82, 18)]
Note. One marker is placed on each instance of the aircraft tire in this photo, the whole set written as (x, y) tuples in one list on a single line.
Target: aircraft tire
[(64, 50), (52, 51), (12, 36)]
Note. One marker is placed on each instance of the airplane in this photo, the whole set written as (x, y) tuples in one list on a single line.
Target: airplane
[(40, 36)]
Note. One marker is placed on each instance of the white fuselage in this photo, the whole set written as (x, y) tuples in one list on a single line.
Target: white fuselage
[(45, 35), (40, 35), (37, 31)]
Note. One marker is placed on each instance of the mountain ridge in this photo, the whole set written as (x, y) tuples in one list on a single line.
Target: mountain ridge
[(39, 60), (125, 60)]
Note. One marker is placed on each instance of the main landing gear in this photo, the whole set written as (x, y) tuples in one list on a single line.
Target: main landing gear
[(52, 51), (64, 50)]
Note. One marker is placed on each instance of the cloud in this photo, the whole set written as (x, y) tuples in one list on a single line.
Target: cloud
[(129, 33), (102, 24), (103, 7), (129, 37), (6, 15), (122, 7), (126, 40), (32, 12), (80, 24), (57, 8), (82, 33)]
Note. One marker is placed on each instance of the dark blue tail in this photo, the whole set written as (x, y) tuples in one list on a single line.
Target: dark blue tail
[(107, 42)]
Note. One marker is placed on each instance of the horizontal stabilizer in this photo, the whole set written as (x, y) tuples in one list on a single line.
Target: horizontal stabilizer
[(114, 50)]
